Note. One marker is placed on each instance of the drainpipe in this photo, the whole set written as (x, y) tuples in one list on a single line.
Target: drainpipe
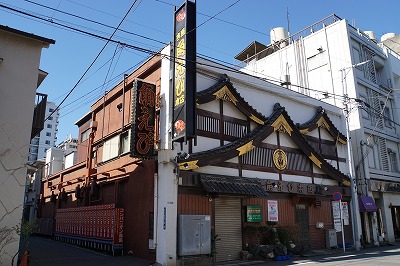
[(93, 127), (123, 102), (155, 212)]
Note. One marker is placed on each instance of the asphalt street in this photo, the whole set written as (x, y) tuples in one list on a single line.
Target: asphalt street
[(373, 256), (46, 252)]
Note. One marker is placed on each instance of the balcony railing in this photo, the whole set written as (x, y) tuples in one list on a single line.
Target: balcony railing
[(39, 114)]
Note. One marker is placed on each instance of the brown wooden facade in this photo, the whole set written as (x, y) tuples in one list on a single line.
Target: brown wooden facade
[(117, 178)]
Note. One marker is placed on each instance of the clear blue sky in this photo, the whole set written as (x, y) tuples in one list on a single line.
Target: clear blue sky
[(73, 52)]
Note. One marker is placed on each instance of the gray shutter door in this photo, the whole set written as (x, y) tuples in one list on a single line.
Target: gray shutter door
[(228, 227)]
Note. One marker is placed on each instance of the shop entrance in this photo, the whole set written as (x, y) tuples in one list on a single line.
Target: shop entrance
[(302, 222), (396, 221), (228, 227)]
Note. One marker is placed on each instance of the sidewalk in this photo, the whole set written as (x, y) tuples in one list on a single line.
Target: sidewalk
[(332, 253)]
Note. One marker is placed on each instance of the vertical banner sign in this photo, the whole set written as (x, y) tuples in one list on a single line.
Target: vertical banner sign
[(272, 210), (184, 88), (143, 119), (119, 226)]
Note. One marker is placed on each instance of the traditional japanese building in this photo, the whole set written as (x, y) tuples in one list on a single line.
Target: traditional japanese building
[(284, 159), (261, 153)]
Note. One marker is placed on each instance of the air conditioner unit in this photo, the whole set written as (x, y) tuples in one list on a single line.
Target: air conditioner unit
[(93, 124)]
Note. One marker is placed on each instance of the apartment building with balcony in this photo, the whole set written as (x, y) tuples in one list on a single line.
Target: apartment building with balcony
[(47, 138)]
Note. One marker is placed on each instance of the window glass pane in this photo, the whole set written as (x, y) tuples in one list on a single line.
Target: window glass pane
[(125, 141), (393, 161), (111, 148), (85, 135)]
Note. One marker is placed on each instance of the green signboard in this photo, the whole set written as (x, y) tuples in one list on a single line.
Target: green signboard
[(254, 214)]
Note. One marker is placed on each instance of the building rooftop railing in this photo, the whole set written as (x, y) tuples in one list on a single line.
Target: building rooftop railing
[(314, 27)]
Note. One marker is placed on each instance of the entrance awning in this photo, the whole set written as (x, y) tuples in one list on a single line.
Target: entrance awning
[(366, 204), (232, 185)]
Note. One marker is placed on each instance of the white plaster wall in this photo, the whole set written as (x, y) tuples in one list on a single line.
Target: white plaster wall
[(215, 170), (325, 181), (260, 175), (203, 144), (296, 178), (18, 76), (287, 141), (271, 139), (231, 110)]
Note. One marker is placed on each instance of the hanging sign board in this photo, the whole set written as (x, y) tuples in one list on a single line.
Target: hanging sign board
[(254, 214), (184, 88), (143, 119)]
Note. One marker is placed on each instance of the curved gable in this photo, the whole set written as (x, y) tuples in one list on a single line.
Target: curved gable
[(225, 91), (322, 120), (278, 121)]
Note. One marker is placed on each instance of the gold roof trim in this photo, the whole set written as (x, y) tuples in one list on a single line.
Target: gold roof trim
[(315, 160), (226, 95), (256, 119), (245, 148), (281, 125), (189, 165)]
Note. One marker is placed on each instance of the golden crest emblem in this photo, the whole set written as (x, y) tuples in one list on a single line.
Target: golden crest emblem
[(280, 159)]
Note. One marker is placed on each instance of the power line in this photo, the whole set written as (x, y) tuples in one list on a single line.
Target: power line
[(151, 52), (210, 18), (95, 22), (98, 55), (222, 20)]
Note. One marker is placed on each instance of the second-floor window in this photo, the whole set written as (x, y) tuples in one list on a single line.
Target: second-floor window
[(387, 118), (85, 135), (117, 145), (49, 125), (393, 160)]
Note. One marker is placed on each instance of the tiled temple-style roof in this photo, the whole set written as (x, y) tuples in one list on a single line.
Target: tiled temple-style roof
[(224, 90), (279, 120), (321, 119), (217, 184)]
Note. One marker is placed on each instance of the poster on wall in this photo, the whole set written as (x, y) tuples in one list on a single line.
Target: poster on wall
[(345, 213), (254, 214), (272, 210)]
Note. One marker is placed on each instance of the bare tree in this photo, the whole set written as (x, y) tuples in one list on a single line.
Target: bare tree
[(7, 236)]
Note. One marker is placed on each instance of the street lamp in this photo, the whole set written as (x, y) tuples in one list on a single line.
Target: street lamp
[(354, 203)]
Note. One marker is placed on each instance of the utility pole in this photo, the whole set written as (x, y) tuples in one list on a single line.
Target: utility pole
[(355, 214)]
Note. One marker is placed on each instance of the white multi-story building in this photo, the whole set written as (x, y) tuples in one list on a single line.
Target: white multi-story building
[(70, 147), (338, 63), (47, 137)]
